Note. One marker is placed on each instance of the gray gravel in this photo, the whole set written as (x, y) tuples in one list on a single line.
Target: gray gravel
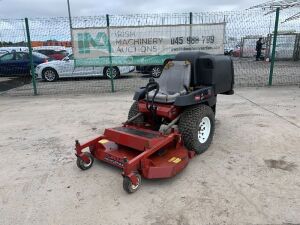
[(249, 175)]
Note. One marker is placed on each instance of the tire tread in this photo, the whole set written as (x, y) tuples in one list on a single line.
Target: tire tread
[(134, 110), (188, 127)]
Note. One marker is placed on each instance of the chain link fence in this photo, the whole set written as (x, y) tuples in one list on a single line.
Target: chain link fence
[(52, 37)]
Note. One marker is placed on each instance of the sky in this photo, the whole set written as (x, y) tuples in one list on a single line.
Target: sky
[(53, 8), (238, 22)]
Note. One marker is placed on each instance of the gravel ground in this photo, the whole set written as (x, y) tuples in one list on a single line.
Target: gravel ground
[(249, 175), (247, 73)]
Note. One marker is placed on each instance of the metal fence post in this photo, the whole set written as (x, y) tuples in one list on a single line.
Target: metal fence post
[(274, 46), (297, 52), (110, 57), (30, 57), (70, 20), (242, 47), (191, 23), (191, 27)]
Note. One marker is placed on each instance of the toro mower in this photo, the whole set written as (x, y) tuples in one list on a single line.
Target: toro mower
[(171, 120)]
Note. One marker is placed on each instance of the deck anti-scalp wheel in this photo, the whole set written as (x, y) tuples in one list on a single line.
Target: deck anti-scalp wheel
[(129, 187), (197, 126), (82, 164)]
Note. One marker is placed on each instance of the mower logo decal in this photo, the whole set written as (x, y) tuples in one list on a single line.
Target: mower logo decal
[(178, 160), (175, 160), (113, 160), (103, 141)]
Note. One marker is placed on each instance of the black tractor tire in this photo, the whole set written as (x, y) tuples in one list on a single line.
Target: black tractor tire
[(134, 110), (192, 121)]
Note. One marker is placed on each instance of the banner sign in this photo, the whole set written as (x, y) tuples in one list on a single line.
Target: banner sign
[(142, 45)]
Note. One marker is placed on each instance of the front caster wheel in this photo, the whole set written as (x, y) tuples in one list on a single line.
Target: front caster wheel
[(82, 164), (129, 187)]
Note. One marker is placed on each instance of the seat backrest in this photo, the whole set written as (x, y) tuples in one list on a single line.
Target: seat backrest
[(175, 77)]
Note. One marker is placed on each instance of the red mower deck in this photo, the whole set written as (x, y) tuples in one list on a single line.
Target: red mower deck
[(137, 151)]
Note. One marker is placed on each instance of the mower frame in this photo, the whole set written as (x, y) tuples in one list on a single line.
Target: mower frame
[(167, 135)]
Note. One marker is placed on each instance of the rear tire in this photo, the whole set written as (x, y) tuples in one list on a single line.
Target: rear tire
[(197, 126), (134, 110)]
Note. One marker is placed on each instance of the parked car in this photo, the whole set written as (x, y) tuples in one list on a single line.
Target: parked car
[(154, 70), (2, 52), (54, 70), (54, 54), (17, 63), (236, 52), (228, 51), (14, 49)]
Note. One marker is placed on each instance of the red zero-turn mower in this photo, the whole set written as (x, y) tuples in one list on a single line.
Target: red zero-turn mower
[(171, 120)]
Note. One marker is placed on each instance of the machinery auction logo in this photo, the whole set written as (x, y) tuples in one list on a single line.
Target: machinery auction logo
[(86, 42)]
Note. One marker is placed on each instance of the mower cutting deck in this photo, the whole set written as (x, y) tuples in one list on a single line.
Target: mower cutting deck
[(136, 149), (170, 121)]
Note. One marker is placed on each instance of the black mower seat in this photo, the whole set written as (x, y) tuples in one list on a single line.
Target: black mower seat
[(173, 81)]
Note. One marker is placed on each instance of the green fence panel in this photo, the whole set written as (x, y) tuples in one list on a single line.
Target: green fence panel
[(66, 74)]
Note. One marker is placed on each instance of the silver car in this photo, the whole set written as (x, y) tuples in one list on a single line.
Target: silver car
[(53, 70)]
